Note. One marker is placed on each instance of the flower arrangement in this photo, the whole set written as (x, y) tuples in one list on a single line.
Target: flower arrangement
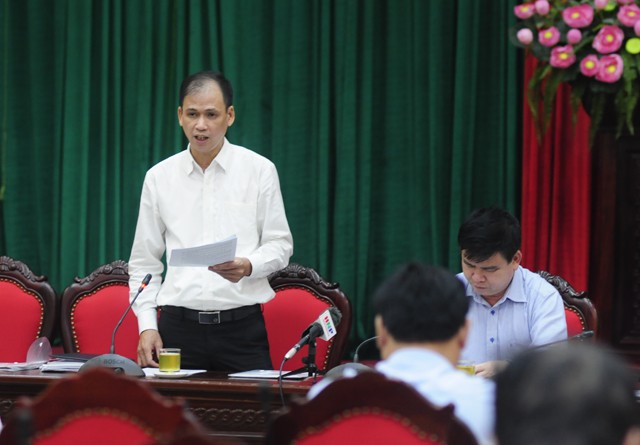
[(593, 45)]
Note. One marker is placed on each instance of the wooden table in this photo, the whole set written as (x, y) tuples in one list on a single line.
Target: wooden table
[(227, 407)]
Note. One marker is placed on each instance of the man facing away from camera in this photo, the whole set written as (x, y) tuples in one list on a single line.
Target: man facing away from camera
[(421, 324), (569, 394)]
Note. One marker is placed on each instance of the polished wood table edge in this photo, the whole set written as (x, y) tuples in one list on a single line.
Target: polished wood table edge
[(227, 407), (204, 380)]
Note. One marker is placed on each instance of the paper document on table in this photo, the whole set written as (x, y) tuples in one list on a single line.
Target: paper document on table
[(268, 374), (61, 366), (208, 255), (19, 366)]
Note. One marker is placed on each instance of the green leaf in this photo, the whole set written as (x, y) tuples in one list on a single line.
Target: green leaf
[(596, 111), (549, 95)]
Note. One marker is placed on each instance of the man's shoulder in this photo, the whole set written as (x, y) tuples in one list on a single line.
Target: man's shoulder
[(538, 291), (536, 284), (244, 153), (170, 162), (460, 276), (463, 388)]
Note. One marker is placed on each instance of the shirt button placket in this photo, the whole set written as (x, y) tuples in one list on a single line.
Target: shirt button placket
[(492, 334), (207, 211)]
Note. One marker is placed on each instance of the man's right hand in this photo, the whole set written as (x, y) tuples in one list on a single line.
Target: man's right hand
[(150, 343)]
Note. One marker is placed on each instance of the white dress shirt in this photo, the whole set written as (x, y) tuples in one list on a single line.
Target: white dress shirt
[(182, 206), (531, 313), (441, 384)]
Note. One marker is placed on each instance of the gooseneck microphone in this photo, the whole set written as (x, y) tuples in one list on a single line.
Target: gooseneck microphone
[(356, 357), (145, 283), (324, 327), (112, 360)]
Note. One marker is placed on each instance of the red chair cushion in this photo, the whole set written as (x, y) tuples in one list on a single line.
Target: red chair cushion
[(20, 321), (574, 322), (95, 316), (96, 429), (372, 429), (286, 316)]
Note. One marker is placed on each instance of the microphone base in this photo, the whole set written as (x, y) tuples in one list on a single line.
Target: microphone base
[(118, 363)]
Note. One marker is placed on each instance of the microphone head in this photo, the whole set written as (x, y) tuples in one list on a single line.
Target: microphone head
[(327, 323), (146, 279), (336, 315)]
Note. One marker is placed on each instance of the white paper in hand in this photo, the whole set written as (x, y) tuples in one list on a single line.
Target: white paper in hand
[(205, 256)]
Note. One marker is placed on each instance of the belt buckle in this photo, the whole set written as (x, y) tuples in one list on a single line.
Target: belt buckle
[(212, 317)]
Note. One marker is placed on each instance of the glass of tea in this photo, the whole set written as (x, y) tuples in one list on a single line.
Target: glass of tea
[(467, 366), (169, 359)]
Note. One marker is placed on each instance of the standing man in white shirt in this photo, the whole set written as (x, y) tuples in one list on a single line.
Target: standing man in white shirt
[(202, 195), (511, 308), (421, 327)]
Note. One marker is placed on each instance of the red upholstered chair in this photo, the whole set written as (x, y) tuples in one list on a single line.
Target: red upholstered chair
[(91, 308), (97, 407), (28, 309), (199, 438), (368, 409), (580, 312), (301, 296)]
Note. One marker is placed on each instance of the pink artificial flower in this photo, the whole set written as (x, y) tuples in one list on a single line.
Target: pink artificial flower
[(636, 28), (574, 36), (562, 57), (578, 16), (589, 65), (525, 36), (542, 7), (629, 15), (608, 40), (549, 37), (625, 2), (524, 11), (610, 69), (601, 4)]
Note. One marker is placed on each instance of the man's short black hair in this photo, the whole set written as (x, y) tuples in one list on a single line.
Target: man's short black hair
[(571, 394), (422, 303), (196, 81), (488, 231)]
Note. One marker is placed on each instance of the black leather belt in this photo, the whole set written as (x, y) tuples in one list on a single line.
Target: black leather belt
[(212, 317)]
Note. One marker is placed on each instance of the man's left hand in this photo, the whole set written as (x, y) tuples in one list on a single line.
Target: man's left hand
[(233, 270), (490, 369)]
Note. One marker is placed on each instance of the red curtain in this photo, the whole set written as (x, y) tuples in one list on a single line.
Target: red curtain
[(556, 191)]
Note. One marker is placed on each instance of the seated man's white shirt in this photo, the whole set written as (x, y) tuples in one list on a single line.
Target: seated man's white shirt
[(443, 384), (531, 313)]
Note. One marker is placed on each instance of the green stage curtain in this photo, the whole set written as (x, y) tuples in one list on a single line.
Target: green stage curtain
[(388, 121)]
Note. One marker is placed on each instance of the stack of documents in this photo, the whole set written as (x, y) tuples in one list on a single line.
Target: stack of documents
[(16, 366), (61, 366), (204, 256)]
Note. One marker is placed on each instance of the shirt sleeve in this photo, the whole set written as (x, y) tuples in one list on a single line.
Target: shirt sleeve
[(548, 321), (146, 256), (276, 241)]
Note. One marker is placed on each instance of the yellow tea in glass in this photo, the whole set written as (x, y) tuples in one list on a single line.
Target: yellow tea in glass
[(467, 367), (169, 359)]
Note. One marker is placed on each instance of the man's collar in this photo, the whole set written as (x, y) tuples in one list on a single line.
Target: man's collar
[(514, 290), (224, 156), (189, 164)]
